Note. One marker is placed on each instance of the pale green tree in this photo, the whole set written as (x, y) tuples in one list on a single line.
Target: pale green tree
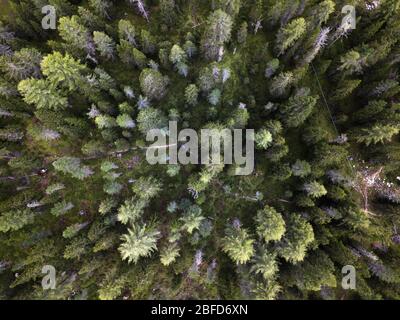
[(237, 244), (314, 189), (218, 31), (265, 264), (141, 241), (153, 84), (41, 94), (288, 35), (377, 133), (293, 246), (263, 139), (16, 219), (270, 224), (169, 254), (104, 44)]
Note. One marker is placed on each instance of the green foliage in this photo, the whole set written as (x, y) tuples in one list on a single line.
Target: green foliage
[(263, 139), (192, 219), (301, 168), (297, 109), (63, 71), (131, 210), (378, 133), (270, 224), (298, 237), (314, 189), (153, 84), (150, 118), (218, 31), (104, 44), (73, 167), (289, 34), (15, 220), (265, 264), (77, 191), (169, 254), (191, 94), (41, 94)]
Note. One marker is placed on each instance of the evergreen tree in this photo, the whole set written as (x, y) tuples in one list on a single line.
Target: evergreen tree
[(298, 108), (41, 94), (270, 224), (15, 220), (287, 36), (218, 31), (73, 167), (62, 71), (141, 241), (153, 84), (265, 264), (297, 239), (237, 244), (191, 94), (104, 44), (378, 133)]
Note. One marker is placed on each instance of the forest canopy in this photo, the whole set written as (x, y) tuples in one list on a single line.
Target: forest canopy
[(317, 81)]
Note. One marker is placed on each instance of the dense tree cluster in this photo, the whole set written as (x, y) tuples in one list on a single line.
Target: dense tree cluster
[(77, 193)]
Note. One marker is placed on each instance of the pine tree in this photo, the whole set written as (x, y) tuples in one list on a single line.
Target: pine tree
[(192, 219), (263, 139), (351, 62), (301, 168), (22, 64), (41, 94), (270, 224), (265, 264), (266, 290), (281, 83), (168, 10), (191, 94), (73, 167), (237, 244), (218, 31), (169, 254), (297, 239), (231, 7), (242, 33), (63, 71), (74, 34), (153, 84), (15, 220), (141, 241), (378, 133), (127, 32), (345, 88), (146, 187), (298, 108), (104, 44), (131, 210), (321, 13), (177, 54), (314, 189), (150, 118), (287, 36), (101, 7), (125, 121)]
